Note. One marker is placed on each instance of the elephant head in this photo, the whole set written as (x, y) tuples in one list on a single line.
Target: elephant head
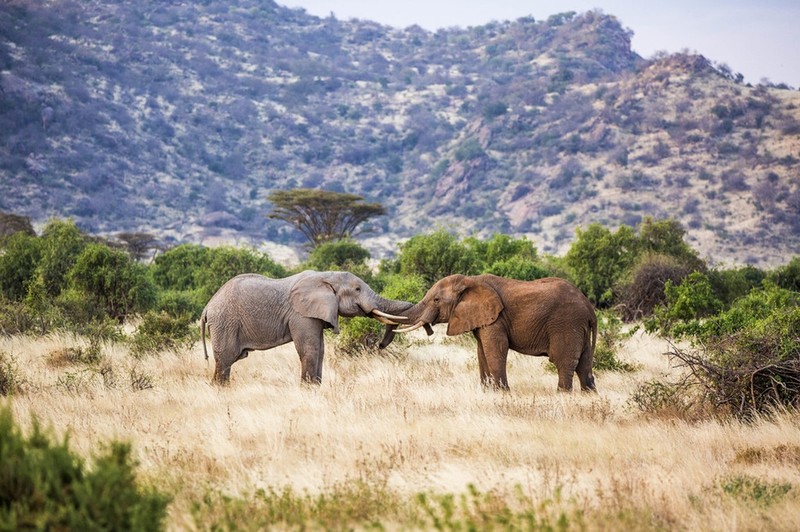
[(328, 295), (457, 300)]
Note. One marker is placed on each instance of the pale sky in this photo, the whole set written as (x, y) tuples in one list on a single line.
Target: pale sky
[(757, 38)]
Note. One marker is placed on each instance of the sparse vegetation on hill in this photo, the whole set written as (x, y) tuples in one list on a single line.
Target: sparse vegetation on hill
[(178, 119)]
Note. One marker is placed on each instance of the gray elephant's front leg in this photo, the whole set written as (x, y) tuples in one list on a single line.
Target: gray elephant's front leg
[(307, 337)]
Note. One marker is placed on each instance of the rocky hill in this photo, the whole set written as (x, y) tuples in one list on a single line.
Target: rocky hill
[(178, 118)]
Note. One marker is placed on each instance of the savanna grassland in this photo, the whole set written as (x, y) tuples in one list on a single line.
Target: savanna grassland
[(408, 439)]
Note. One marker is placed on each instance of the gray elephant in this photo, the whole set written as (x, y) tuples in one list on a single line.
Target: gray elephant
[(544, 317), (252, 312)]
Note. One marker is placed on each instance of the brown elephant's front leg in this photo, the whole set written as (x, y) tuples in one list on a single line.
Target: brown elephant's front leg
[(492, 356)]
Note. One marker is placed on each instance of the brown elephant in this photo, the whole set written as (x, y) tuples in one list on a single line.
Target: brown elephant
[(544, 317), (252, 312)]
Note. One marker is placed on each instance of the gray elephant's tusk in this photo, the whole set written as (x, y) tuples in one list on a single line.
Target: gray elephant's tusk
[(385, 321), (409, 328), (392, 317)]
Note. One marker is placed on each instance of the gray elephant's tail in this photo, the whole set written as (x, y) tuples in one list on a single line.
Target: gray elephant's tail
[(203, 320)]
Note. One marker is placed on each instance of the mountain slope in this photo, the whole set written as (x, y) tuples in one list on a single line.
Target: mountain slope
[(178, 119)]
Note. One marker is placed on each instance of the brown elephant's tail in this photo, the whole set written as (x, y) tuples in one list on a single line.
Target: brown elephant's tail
[(587, 359), (203, 321)]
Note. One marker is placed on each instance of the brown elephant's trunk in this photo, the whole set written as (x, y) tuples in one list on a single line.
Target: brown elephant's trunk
[(412, 313)]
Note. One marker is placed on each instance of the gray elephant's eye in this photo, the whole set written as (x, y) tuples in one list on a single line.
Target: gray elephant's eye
[(358, 289)]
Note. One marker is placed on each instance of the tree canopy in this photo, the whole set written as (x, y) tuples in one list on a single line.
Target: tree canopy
[(323, 215)]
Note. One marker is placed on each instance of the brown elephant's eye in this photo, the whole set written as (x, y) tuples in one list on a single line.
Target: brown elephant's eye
[(435, 299)]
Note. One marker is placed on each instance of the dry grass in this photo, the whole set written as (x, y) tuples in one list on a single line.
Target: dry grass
[(413, 423)]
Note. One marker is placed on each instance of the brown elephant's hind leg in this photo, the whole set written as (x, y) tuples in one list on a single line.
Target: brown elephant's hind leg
[(584, 369)]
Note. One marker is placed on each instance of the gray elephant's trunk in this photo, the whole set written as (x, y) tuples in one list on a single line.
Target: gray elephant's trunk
[(391, 306)]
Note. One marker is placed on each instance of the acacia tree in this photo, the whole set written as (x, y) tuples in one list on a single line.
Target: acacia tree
[(323, 215)]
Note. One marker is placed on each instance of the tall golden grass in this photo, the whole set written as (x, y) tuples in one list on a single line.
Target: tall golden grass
[(417, 421)]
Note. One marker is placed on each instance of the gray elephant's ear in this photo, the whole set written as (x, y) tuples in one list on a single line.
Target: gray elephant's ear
[(479, 306), (312, 297)]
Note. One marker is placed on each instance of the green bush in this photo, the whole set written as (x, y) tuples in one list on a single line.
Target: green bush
[(732, 284), (19, 256), (113, 281), (610, 338), (15, 318), (62, 243), (686, 303), (787, 276), (644, 290), (410, 288), (747, 359), (176, 268), (11, 379), (337, 255), (359, 336), (224, 263), (598, 260), (518, 268), (160, 331), (45, 486), (180, 303), (437, 255)]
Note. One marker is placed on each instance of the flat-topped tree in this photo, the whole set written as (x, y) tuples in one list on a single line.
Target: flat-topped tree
[(323, 215)]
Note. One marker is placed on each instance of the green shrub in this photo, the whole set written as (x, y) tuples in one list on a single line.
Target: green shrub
[(610, 338), (732, 284), (437, 255), (15, 318), (224, 263), (359, 336), (748, 359), (45, 486), (410, 288), (11, 379), (176, 268), (645, 290), (754, 490), (19, 256), (501, 248), (180, 303), (787, 276), (113, 281), (160, 331), (686, 302), (62, 243), (598, 260), (518, 268), (337, 255)]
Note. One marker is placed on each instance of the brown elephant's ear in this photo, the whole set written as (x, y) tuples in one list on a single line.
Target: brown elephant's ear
[(479, 305), (312, 297)]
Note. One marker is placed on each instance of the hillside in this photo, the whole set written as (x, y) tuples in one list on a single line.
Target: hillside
[(179, 118)]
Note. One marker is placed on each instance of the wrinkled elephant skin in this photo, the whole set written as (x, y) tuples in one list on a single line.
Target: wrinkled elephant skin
[(547, 317), (252, 312)]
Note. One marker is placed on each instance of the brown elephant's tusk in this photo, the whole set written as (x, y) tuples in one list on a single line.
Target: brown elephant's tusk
[(392, 317), (385, 321), (409, 328)]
